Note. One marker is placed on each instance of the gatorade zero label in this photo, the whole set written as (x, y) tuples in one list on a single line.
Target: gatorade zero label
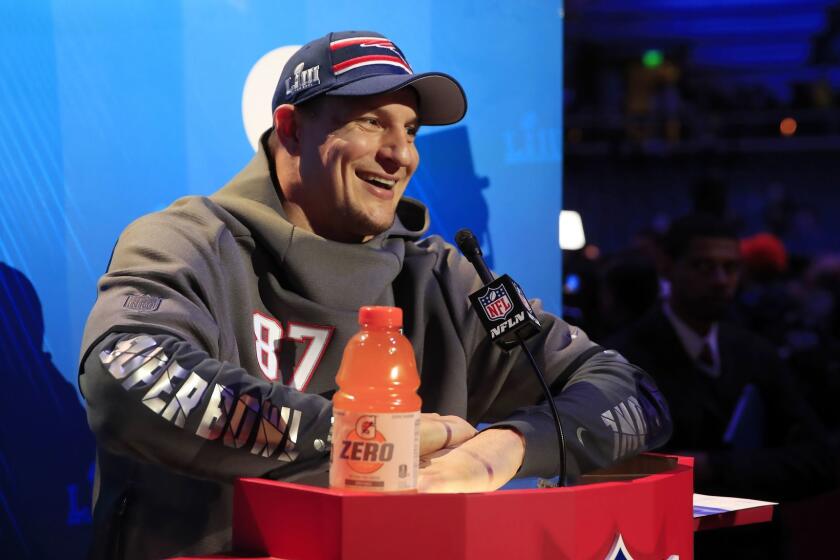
[(375, 452)]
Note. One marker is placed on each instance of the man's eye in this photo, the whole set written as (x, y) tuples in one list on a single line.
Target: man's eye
[(370, 121), (412, 130)]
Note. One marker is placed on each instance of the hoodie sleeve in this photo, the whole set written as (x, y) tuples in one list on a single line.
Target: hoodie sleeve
[(609, 408), (165, 276), (163, 401), (158, 373)]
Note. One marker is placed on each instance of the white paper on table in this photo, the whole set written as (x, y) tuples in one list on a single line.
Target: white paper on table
[(712, 505)]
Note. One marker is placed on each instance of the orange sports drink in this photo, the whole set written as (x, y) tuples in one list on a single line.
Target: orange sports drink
[(376, 410)]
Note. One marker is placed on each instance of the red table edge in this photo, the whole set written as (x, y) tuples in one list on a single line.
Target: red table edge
[(760, 514), (680, 465)]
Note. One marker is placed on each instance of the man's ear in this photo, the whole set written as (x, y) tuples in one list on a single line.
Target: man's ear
[(286, 128)]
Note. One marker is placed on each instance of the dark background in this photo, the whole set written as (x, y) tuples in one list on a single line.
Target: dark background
[(729, 107), (639, 138)]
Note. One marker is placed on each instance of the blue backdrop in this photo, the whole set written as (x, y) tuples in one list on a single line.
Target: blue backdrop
[(112, 109)]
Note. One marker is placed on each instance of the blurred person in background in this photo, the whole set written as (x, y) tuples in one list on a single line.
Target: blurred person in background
[(628, 287), (706, 366), (46, 448), (796, 311), (814, 345), (735, 407), (765, 303)]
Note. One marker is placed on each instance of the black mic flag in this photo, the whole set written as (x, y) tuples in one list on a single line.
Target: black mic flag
[(500, 304)]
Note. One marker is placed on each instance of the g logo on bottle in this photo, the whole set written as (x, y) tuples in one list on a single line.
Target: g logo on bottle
[(366, 427)]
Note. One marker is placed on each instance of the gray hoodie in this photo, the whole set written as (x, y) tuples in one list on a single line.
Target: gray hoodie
[(212, 350)]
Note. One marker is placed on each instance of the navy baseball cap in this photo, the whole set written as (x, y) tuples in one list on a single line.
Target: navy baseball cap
[(355, 63)]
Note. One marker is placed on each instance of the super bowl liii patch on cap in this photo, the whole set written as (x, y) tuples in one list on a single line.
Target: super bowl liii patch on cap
[(142, 303)]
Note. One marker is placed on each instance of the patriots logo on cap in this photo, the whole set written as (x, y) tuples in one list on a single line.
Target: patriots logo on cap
[(356, 52), (496, 303)]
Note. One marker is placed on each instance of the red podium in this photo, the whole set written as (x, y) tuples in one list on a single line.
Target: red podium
[(643, 505)]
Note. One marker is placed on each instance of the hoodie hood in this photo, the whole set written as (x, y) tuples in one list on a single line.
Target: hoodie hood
[(331, 273)]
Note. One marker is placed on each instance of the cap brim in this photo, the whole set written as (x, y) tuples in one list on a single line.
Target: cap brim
[(441, 98)]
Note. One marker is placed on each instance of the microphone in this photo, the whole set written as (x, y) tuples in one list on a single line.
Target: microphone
[(508, 318), (504, 310), (469, 246)]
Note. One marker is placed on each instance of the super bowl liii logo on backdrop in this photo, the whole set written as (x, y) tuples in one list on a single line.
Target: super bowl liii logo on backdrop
[(496, 303)]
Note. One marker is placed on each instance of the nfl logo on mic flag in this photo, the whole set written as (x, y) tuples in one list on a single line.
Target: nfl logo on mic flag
[(496, 303), (505, 312)]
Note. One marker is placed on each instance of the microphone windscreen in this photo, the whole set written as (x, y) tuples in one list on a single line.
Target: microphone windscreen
[(467, 243)]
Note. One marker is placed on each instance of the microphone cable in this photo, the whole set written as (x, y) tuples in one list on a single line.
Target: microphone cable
[(561, 438)]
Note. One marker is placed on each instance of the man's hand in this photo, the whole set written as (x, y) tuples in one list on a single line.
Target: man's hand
[(439, 432), (480, 464)]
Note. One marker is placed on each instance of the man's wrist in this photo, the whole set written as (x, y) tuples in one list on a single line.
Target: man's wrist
[(510, 430), (509, 445), (539, 435)]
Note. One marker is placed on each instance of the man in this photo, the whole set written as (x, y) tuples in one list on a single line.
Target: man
[(734, 406), (212, 350)]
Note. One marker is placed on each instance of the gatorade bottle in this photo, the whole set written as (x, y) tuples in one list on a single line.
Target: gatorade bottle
[(376, 410)]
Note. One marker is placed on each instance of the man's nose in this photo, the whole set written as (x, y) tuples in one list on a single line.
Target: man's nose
[(397, 149), (721, 275)]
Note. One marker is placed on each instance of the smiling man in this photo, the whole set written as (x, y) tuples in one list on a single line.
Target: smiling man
[(212, 349), (344, 164)]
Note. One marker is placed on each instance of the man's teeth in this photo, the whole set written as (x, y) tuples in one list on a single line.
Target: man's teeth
[(379, 181)]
